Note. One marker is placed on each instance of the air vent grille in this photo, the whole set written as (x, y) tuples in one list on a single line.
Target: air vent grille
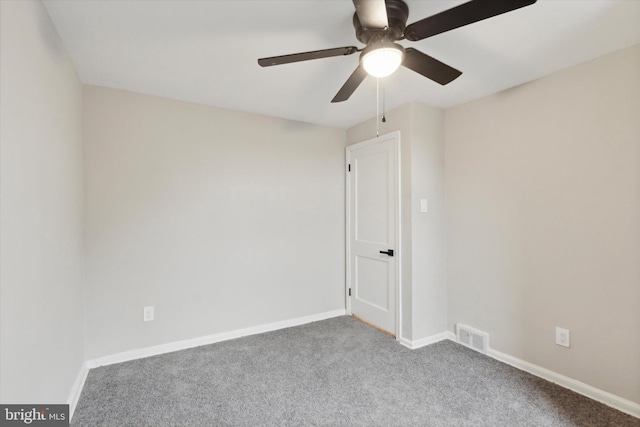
[(472, 338)]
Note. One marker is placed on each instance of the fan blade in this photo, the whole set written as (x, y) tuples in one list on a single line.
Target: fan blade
[(306, 56), (429, 67), (372, 13), (350, 85), (459, 16)]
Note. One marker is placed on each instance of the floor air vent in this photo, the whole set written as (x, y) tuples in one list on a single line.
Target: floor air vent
[(472, 338)]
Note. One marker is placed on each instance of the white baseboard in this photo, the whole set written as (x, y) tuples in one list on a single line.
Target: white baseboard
[(76, 390), (616, 402), (602, 396), (413, 345), (209, 339)]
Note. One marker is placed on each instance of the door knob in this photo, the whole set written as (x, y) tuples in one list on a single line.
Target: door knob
[(389, 252)]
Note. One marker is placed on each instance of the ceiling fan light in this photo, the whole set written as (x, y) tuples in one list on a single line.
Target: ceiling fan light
[(382, 60)]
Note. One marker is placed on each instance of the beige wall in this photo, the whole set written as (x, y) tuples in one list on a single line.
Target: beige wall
[(429, 280), (41, 296), (423, 304), (543, 198), (220, 219)]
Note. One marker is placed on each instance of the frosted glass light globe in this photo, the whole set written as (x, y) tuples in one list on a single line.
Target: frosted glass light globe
[(384, 60)]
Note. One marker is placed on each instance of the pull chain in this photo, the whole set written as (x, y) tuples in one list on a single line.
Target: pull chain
[(384, 118), (377, 107)]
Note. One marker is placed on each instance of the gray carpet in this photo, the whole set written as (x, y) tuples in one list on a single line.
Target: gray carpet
[(337, 372)]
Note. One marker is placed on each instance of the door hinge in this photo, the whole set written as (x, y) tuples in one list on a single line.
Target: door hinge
[(349, 291), (349, 167)]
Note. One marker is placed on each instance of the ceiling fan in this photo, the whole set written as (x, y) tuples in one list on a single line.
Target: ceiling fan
[(380, 23)]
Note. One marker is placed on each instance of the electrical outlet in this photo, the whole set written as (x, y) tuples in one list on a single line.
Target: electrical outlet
[(148, 313), (562, 337)]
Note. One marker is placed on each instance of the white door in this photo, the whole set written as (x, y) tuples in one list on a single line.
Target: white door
[(373, 232)]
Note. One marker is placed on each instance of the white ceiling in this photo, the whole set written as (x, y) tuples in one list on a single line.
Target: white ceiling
[(205, 51)]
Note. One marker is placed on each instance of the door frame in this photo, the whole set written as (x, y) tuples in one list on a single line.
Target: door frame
[(394, 136)]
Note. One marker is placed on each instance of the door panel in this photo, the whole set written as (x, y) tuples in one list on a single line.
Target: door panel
[(372, 277), (370, 174), (373, 215)]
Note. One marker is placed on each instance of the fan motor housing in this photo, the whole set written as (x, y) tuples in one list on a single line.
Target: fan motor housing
[(397, 15)]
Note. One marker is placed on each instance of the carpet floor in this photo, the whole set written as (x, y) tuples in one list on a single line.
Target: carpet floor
[(337, 372)]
